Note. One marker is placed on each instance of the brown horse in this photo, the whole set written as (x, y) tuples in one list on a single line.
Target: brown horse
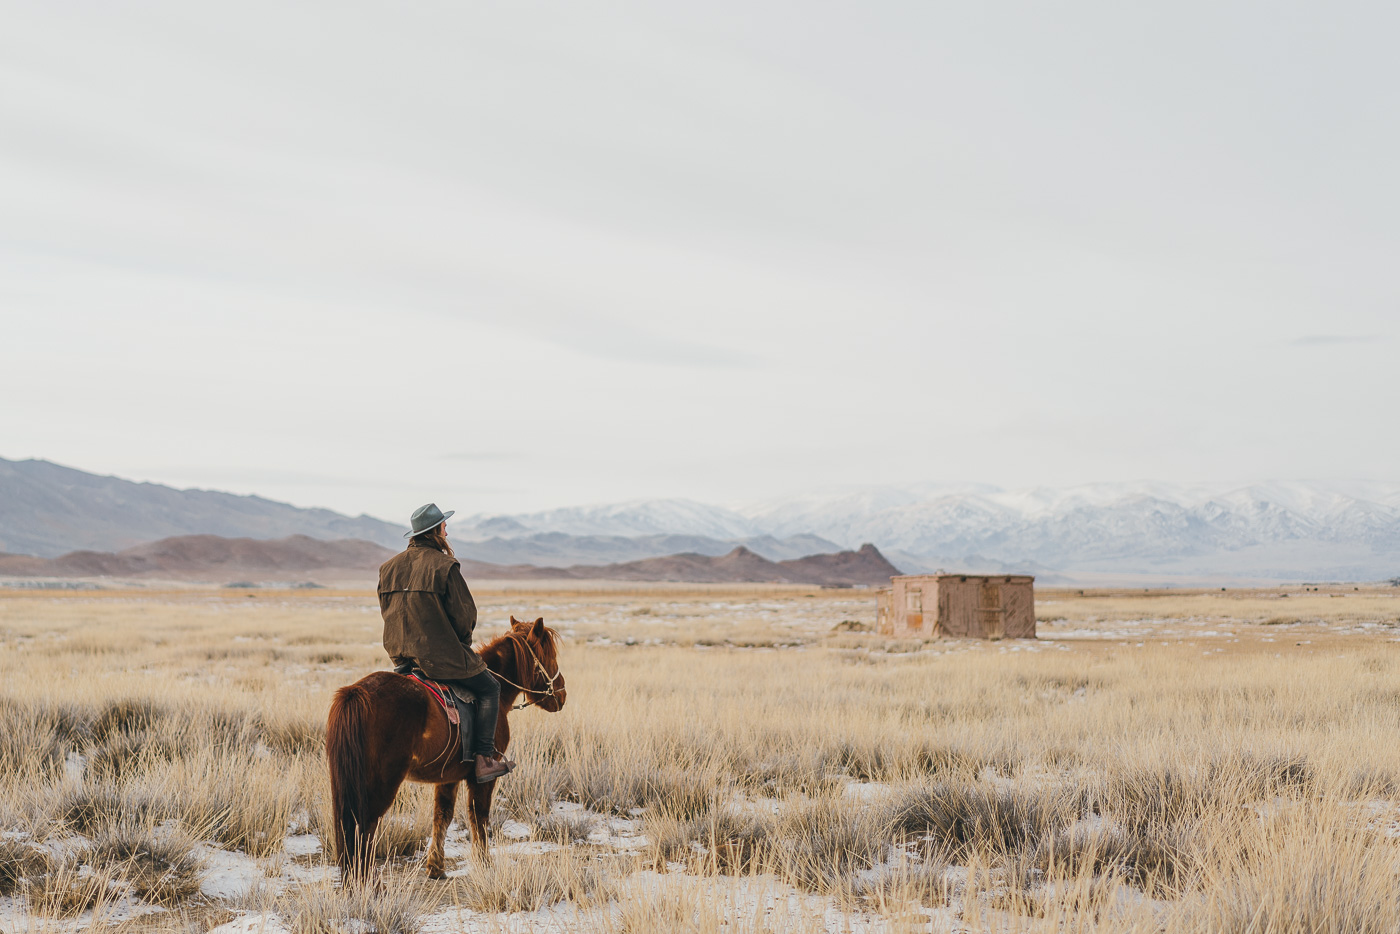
[(385, 728)]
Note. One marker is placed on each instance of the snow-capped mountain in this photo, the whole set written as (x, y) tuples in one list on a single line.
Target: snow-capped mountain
[(1347, 530), (639, 517)]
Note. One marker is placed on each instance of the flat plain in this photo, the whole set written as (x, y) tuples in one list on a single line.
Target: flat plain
[(731, 758)]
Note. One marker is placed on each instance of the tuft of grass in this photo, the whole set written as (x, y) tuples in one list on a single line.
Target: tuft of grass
[(669, 839), (727, 839), (120, 756), (1315, 874), (133, 715), (565, 827), (618, 785), (245, 805), (820, 844), (68, 886), (737, 841), (400, 836), (90, 807), (159, 864), (324, 909), (530, 883), (294, 736), (19, 861), (963, 818), (533, 788), (925, 883), (404, 831), (683, 909), (394, 906), (31, 742)]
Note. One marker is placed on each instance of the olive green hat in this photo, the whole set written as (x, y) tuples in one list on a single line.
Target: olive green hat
[(426, 518)]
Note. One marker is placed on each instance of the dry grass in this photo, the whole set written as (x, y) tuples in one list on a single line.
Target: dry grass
[(1179, 763), (1273, 606), (327, 908), (158, 865), (528, 883)]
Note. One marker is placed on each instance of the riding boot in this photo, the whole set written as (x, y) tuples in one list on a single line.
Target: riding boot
[(488, 704), (488, 770), (466, 726), (488, 699)]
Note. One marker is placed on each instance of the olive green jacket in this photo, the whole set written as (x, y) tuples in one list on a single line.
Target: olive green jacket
[(429, 613)]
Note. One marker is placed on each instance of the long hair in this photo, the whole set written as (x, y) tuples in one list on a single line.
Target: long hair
[(435, 537)]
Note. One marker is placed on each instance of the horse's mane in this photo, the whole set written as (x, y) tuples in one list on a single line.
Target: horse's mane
[(512, 633)]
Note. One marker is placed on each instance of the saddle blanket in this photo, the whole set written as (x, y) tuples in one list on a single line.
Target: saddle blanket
[(444, 694)]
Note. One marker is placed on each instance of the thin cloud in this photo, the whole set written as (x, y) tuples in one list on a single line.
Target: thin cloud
[(1325, 340), (478, 456), (633, 345)]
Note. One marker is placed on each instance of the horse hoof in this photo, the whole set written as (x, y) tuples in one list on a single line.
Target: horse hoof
[(436, 874)]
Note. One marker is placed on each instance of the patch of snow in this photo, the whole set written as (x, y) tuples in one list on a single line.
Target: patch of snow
[(866, 791), (514, 830), (15, 917), (523, 848), (553, 919), (306, 844), (74, 765), (232, 874), (257, 922)]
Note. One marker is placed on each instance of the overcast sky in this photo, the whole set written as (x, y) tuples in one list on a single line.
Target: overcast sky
[(514, 255)]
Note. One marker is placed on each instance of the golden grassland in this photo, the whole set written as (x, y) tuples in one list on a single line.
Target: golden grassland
[(730, 759)]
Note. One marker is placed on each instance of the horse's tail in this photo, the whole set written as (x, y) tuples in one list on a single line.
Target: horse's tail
[(347, 734)]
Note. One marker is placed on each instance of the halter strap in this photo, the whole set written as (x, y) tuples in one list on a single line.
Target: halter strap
[(548, 678)]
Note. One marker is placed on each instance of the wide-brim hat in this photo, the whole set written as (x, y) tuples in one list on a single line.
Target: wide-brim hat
[(426, 518)]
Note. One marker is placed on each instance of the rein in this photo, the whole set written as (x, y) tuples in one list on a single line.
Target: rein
[(539, 666)]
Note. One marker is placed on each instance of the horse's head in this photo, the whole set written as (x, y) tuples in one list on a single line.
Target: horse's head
[(539, 667)]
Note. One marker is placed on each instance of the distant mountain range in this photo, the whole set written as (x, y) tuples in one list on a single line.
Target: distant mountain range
[(561, 548), (865, 566), (1347, 531), (47, 510), (210, 557), (1281, 530), (222, 560)]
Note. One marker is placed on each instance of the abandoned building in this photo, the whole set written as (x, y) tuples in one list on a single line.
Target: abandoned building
[(964, 606)]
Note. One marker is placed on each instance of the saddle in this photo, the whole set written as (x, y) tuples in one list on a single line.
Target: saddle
[(454, 700)]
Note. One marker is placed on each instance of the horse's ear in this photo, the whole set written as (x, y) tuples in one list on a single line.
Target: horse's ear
[(539, 627), (518, 623), (513, 621)]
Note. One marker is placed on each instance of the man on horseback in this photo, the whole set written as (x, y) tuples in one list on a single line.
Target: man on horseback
[(429, 616)]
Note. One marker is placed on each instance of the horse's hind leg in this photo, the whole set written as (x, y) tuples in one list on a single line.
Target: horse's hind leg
[(481, 817), (444, 803), (377, 804)]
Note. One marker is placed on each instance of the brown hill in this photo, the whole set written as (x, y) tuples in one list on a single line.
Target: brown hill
[(211, 557), (864, 566), (739, 565), (207, 556)]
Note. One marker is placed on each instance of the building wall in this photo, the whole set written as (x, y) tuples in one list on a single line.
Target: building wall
[(1019, 600), (960, 606), (884, 617), (912, 605), (957, 608)]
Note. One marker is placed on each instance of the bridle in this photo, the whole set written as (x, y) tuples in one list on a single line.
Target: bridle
[(549, 679)]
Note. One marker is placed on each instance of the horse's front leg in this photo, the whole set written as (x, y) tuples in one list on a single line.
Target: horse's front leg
[(444, 803), (481, 817)]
